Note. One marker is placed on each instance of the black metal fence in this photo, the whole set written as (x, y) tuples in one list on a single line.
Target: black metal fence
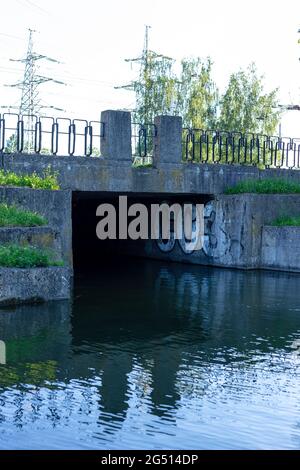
[(143, 142), (263, 151), (48, 135), (79, 137)]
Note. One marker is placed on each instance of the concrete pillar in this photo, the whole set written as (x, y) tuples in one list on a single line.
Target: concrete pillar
[(167, 143), (116, 142)]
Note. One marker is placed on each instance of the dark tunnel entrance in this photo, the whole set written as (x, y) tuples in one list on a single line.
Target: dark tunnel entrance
[(90, 252)]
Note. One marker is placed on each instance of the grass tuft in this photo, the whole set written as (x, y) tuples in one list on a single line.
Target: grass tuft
[(285, 220), (12, 216), (265, 186), (14, 256), (47, 181)]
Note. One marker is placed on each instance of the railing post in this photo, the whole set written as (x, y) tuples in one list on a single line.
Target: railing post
[(168, 140), (116, 141)]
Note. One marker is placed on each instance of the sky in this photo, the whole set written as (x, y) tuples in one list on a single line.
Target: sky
[(91, 39)]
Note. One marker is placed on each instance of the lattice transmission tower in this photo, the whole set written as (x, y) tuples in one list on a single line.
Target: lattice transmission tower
[(31, 103), (148, 84)]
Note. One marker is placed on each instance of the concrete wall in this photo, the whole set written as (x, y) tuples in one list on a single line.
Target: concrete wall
[(233, 232), (281, 248), (18, 286), (44, 238), (233, 223), (55, 206), (113, 170), (101, 174)]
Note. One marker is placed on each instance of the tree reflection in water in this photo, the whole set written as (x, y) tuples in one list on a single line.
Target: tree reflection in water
[(155, 355)]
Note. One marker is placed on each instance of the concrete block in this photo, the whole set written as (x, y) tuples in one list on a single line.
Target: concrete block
[(19, 286), (55, 206), (281, 248), (44, 238), (168, 140), (116, 141)]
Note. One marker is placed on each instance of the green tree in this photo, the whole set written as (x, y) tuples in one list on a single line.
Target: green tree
[(245, 107), (11, 144), (197, 94), (193, 94), (155, 88)]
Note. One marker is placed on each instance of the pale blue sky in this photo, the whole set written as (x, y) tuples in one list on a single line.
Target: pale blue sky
[(93, 37)]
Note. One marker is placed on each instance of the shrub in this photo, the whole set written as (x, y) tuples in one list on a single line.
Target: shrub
[(12, 216), (14, 256), (285, 220), (47, 181), (265, 186)]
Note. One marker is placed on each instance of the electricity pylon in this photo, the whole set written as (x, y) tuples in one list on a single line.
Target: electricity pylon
[(30, 103), (151, 65)]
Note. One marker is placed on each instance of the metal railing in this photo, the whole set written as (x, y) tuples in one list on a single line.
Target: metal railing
[(142, 141), (79, 137), (212, 146), (50, 136)]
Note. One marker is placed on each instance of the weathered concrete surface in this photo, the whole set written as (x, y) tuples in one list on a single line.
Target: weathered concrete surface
[(236, 226), (44, 238), (55, 206), (19, 286), (233, 231), (167, 141), (101, 174), (281, 248), (116, 140)]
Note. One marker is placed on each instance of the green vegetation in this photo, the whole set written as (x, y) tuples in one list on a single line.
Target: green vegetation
[(13, 256), (47, 181), (285, 220), (265, 186), (191, 92), (11, 144), (142, 163), (245, 107), (12, 216)]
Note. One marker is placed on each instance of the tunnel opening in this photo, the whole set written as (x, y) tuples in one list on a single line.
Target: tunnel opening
[(89, 252)]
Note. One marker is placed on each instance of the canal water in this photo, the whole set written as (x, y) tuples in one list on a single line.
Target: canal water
[(155, 356)]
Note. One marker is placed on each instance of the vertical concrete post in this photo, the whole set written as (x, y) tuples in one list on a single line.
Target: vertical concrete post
[(168, 140), (116, 141)]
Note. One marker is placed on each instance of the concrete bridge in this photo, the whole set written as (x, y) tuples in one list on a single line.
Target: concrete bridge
[(235, 233), (113, 171)]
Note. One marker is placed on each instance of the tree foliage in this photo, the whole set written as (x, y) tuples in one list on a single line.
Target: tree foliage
[(193, 94), (245, 107), (155, 88), (196, 94), (11, 144)]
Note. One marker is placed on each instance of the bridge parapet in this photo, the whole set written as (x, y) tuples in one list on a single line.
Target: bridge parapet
[(167, 140), (116, 140)]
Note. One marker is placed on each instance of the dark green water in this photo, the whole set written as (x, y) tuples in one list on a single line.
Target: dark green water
[(151, 355)]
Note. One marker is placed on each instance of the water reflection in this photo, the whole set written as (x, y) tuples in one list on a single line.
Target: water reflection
[(155, 355)]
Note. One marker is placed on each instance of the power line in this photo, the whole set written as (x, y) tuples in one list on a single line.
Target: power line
[(30, 3), (10, 36), (37, 7), (92, 82)]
